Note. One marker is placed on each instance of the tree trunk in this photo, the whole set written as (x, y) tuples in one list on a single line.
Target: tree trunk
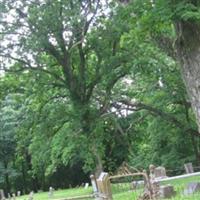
[(188, 51), (196, 151), (25, 183), (7, 181), (99, 165)]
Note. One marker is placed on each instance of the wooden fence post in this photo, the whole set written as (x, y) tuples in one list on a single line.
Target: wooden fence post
[(104, 186)]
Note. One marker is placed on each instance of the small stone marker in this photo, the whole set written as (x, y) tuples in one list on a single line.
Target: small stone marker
[(160, 172), (189, 168), (94, 184), (13, 196), (2, 196), (86, 185), (30, 197), (18, 193), (51, 192), (192, 188), (166, 191)]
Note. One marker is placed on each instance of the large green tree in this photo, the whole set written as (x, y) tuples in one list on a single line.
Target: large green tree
[(76, 45)]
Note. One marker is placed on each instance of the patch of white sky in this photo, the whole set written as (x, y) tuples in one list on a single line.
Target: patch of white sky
[(9, 46), (14, 37)]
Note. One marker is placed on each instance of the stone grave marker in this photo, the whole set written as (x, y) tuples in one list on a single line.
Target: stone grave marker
[(94, 184), (9, 196), (2, 196), (166, 191), (51, 192), (18, 193), (192, 187), (189, 168), (160, 172), (13, 196), (30, 197), (86, 185)]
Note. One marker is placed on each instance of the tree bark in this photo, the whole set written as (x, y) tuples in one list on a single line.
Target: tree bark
[(188, 52), (7, 181)]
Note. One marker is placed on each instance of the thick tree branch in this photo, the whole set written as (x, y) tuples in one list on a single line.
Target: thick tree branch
[(138, 106), (29, 67)]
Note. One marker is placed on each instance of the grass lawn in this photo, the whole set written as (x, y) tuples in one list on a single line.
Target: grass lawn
[(59, 194), (120, 195)]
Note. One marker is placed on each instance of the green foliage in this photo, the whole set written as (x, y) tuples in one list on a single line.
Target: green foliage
[(77, 64)]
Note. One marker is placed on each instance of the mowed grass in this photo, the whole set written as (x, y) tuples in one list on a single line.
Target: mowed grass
[(124, 195), (59, 194)]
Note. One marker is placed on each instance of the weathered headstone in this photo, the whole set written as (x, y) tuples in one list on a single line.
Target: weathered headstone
[(94, 184), (51, 192), (86, 185), (18, 193), (104, 186), (2, 196), (13, 196), (30, 197), (192, 187), (166, 191), (189, 168), (9, 196), (160, 172)]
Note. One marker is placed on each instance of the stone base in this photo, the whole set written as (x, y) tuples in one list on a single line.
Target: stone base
[(166, 191), (192, 188)]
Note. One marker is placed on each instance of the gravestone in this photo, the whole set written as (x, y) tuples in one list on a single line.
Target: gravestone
[(189, 168), (30, 197), (160, 172), (166, 191), (2, 196), (192, 187), (86, 185), (18, 193), (94, 186), (9, 196), (51, 192), (13, 196)]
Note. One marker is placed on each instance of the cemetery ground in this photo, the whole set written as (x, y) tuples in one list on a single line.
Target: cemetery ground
[(125, 194)]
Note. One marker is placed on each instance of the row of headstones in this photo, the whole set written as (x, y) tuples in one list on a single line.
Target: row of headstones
[(31, 194), (30, 197), (160, 172), (13, 195), (167, 191)]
